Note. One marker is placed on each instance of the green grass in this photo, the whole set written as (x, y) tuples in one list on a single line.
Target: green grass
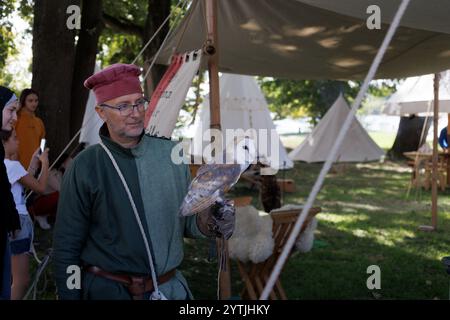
[(366, 219), (384, 140)]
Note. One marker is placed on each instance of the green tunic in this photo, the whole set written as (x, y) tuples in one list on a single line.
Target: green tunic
[(96, 225)]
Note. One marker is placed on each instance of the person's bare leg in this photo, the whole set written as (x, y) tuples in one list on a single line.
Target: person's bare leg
[(21, 276)]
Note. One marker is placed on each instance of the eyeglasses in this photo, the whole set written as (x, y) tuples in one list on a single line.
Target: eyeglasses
[(126, 109)]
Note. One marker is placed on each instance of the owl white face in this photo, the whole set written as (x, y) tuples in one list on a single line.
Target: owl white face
[(245, 151)]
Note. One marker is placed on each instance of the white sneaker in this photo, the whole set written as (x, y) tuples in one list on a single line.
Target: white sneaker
[(42, 220)]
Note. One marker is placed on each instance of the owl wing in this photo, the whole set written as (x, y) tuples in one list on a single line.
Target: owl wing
[(211, 182)]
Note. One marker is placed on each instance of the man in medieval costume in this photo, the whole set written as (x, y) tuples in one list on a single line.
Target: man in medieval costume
[(121, 231)]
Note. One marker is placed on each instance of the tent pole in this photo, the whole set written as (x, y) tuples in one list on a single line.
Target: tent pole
[(434, 173), (213, 61), (434, 209), (214, 108)]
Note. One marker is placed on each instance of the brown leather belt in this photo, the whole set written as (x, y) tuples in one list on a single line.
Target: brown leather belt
[(137, 286)]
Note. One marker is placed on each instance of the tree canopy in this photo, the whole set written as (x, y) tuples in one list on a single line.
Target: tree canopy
[(313, 97), (6, 38)]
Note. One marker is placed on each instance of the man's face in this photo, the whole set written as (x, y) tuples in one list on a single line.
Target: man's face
[(123, 128), (9, 114)]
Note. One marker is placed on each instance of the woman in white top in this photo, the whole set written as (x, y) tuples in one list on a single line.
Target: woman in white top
[(19, 178)]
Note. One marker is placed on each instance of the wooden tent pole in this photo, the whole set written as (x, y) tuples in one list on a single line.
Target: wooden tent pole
[(434, 209), (434, 172), (213, 63), (211, 48)]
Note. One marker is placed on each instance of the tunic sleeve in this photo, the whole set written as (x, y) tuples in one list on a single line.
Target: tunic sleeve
[(71, 228), (191, 229)]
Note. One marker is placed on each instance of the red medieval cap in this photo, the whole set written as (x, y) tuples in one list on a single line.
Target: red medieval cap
[(114, 81)]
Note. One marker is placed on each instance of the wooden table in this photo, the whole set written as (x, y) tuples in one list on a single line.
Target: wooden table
[(421, 160)]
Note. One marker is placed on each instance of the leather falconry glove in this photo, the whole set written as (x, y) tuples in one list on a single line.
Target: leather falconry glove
[(219, 220)]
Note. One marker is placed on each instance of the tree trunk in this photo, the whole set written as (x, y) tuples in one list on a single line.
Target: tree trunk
[(158, 10), (408, 136), (53, 61), (86, 51)]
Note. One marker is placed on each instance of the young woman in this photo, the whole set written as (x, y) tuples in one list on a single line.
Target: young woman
[(29, 128), (19, 178), (9, 219)]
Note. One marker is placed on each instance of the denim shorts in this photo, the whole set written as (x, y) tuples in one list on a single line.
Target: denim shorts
[(22, 243)]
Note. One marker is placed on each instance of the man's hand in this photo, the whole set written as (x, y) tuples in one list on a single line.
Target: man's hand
[(223, 219), (218, 221)]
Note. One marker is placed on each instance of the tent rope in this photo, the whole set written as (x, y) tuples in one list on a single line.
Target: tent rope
[(164, 42), (332, 155), (157, 31), (39, 271)]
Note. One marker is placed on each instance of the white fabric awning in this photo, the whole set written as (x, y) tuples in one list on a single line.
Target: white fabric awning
[(323, 39), (416, 95)]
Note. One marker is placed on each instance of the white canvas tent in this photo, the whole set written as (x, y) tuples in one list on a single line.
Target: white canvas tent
[(242, 106), (318, 39), (91, 122), (357, 146), (416, 95)]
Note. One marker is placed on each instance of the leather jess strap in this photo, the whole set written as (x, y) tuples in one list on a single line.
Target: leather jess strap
[(137, 286)]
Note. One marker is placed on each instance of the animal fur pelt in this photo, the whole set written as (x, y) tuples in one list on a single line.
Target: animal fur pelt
[(252, 238), (306, 239)]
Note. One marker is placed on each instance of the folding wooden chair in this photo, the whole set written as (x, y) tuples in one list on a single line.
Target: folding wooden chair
[(441, 174), (256, 275)]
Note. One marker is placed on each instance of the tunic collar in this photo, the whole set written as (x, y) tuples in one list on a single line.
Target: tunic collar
[(135, 151)]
